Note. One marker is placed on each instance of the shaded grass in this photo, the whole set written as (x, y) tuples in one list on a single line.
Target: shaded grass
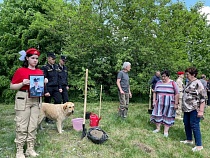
[(128, 138)]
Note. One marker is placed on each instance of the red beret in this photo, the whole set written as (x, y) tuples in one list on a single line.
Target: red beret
[(180, 73), (33, 51)]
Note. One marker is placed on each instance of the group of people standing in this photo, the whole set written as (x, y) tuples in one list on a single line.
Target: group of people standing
[(171, 98), (27, 109), (57, 75)]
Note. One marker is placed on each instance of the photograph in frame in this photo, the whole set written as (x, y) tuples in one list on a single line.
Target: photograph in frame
[(36, 86)]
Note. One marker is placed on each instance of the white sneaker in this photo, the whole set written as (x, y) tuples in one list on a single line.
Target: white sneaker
[(186, 142), (156, 131), (165, 135), (197, 149)]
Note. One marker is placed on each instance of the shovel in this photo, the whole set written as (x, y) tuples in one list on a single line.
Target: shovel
[(99, 114), (84, 130), (150, 98), (94, 118)]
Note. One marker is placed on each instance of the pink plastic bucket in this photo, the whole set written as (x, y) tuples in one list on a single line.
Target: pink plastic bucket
[(77, 123)]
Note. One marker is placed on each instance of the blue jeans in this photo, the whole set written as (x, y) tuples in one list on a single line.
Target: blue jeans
[(192, 124)]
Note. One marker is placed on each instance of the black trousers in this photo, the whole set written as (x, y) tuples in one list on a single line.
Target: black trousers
[(55, 94), (208, 101), (64, 94)]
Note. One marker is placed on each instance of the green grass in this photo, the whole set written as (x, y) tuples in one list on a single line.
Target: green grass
[(128, 138)]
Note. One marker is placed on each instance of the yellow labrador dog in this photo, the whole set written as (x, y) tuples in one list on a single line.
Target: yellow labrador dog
[(57, 112)]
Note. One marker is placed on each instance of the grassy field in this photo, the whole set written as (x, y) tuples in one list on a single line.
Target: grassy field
[(128, 138)]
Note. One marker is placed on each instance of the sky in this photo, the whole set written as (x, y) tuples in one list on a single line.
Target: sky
[(190, 3), (205, 10)]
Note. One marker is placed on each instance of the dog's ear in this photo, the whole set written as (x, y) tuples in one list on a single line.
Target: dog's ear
[(65, 107)]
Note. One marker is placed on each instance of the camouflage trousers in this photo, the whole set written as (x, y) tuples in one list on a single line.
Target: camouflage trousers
[(124, 101)]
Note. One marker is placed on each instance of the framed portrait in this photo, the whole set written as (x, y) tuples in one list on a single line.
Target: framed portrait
[(36, 86)]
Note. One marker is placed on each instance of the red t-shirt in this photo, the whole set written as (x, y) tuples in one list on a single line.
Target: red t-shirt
[(23, 73)]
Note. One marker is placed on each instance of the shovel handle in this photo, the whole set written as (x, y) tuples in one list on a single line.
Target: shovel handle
[(150, 97), (85, 100), (99, 114)]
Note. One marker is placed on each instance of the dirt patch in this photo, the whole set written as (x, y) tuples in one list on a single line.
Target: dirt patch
[(144, 147), (96, 133)]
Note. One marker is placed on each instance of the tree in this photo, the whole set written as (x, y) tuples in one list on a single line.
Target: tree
[(26, 24), (102, 34)]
